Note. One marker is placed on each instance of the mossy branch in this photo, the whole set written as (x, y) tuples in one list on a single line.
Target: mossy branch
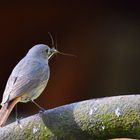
[(97, 119)]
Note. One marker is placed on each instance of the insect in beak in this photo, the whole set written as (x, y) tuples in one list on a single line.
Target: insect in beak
[(54, 51)]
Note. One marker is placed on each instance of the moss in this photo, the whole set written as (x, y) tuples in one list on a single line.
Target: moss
[(100, 119)]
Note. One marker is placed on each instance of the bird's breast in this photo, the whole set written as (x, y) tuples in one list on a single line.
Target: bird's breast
[(35, 93)]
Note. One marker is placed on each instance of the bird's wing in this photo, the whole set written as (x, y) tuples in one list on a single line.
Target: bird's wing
[(27, 75)]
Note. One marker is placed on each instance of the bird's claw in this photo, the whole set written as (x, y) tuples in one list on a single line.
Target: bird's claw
[(19, 122), (42, 110)]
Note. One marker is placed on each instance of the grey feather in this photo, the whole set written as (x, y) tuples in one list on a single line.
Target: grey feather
[(30, 76)]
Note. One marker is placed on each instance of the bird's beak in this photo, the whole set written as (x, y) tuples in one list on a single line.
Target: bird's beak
[(53, 51)]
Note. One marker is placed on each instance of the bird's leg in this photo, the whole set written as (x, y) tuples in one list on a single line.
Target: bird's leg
[(17, 120), (16, 113), (41, 108)]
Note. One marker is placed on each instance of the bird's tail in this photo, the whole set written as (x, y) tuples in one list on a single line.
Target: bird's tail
[(6, 110)]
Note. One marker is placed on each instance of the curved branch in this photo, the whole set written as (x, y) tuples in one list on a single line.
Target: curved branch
[(98, 119)]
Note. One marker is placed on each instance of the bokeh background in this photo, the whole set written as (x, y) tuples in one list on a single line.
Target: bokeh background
[(104, 36)]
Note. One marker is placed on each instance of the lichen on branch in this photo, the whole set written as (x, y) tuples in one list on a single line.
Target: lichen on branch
[(98, 119)]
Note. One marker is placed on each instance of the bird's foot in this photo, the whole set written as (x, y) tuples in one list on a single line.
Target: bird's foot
[(19, 122), (42, 110)]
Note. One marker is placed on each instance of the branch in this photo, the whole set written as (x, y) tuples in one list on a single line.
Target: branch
[(97, 119)]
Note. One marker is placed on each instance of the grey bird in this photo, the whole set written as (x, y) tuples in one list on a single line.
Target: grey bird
[(27, 80)]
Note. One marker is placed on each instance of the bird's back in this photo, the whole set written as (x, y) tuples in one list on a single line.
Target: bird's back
[(27, 75)]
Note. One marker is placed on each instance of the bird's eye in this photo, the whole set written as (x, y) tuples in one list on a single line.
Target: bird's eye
[(47, 50)]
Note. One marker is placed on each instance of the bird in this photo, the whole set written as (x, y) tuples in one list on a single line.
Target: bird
[(27, 80)]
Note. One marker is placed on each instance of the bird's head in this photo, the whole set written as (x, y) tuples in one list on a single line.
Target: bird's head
[(42, 50)]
